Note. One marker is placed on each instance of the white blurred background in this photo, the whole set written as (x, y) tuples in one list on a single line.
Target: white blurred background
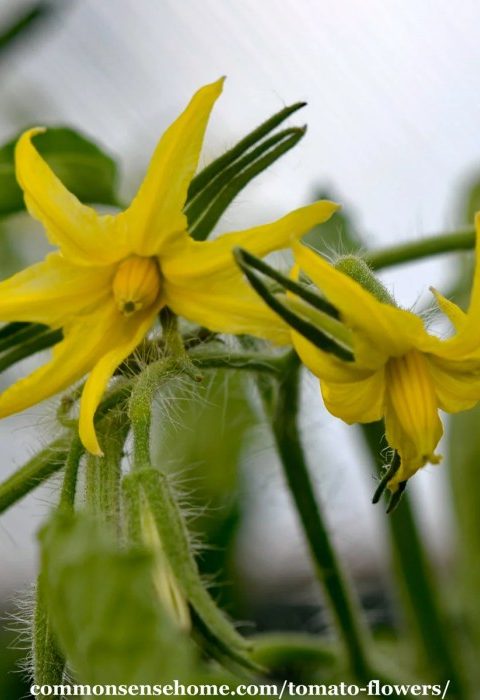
[(393, 92)]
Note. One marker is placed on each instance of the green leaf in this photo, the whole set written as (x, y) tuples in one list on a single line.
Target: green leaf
[(81, 165), (103, 607)]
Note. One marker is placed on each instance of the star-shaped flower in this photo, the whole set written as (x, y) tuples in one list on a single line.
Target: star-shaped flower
[(400, 372), (111, 275)]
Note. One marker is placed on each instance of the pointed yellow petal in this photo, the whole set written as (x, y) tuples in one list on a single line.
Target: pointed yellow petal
[(124, 338), (83, 236), (454, 313), (156, 211), (190, 259), (383, 328), (71, 360), (227, 306), (53, 291)]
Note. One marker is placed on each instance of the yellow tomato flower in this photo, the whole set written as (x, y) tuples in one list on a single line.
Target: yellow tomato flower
[(400, 372), (111, 274)]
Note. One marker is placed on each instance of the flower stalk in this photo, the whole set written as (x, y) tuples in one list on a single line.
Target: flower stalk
[(327, 566)]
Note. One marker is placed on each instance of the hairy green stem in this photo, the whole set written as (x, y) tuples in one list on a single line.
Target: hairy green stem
[(420, 596), (250, 362), (141, 398), (327, 567), (72, 463), (48, 660), (463, 239), (33, 473)]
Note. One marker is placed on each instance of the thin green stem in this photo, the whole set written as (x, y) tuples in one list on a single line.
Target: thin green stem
[(435, 642), (463, 239), (48, 660), (141, 398), (33, 473), (327, 567), (250, 362), (72, 462)]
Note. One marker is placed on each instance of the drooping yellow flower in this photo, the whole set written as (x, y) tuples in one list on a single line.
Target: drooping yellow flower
[(111, 274), (400, 372)]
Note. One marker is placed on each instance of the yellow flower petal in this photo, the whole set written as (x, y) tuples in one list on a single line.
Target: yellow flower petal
[(156, 211), (72, 358), (226, 305), (188, 260), (127, 333), (457, 383), (413, 426), (83, 236), (325, 365), (53, 291), (360, 401), (386, 329), (454, 313)]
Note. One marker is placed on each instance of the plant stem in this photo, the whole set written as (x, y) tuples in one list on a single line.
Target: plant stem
[(72, 462), (327, 567), (48, 660), (463, 239), (141, 398), (417, 582), (250, 362), (33, 473)]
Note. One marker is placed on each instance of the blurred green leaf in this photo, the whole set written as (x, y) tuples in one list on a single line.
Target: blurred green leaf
[(81, 165), (104, 609)]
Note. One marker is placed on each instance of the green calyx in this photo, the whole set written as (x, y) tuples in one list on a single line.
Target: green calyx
[(358, 269)]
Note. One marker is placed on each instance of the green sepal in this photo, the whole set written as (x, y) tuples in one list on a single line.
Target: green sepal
[(203, 227), (360, 271), (174, 536), (205, 177), (309, 331)]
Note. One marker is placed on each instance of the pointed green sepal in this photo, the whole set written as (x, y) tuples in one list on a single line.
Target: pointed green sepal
[(309, 330)]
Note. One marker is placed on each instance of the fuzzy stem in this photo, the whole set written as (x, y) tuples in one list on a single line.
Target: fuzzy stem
[(33, 473), (463, 239), (327, 567), (48, 660), (103, 474), (72, 462), (141, 399), (417, 584), (250, 362)]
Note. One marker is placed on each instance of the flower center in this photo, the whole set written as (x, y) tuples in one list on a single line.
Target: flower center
[(412, 396), (136, 284)]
